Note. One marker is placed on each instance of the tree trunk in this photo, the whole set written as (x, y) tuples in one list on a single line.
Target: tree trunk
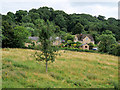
[(46, 66)]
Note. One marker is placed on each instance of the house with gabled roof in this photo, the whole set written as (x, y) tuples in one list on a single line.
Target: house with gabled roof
[(85, 39)]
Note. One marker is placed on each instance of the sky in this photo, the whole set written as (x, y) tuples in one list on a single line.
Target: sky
[(107, 8)]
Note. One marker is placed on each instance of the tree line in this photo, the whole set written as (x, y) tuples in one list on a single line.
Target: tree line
[(16, 27)]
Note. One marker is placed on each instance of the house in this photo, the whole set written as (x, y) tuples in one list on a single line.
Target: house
[(85, 39), (36, 41), (84, 46)]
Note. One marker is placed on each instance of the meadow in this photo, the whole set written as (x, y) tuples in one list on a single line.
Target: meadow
[(71, 69)]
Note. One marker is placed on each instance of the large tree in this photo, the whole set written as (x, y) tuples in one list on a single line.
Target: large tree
[(13, 37), (106, 40)]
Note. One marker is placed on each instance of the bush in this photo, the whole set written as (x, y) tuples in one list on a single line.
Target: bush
[(91, 45), (69, 41), (37, 47), (30, 47), (77, 49)]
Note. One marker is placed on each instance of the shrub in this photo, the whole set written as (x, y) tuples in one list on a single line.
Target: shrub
[(69, 41), (91, 45), (77, 49)]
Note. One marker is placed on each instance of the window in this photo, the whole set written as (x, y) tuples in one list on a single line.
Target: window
[(86, 38)]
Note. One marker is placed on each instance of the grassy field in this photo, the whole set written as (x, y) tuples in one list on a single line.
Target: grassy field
[(70, 70)]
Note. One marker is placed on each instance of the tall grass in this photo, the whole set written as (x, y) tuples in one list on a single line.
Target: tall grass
[(70, 70)]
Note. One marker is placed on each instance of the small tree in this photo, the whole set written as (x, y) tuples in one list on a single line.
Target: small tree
[(47, 50)]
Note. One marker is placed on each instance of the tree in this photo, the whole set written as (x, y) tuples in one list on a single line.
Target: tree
[(45, 13), (105, 42), (7, 34), (20, 36), (60, 21), (34, 16), (19, 15), (31, 30), (13, 37), (78, 29), (108, 32), (102, 18), (68, 37), (46, 37), (116, 50), (26, 19)]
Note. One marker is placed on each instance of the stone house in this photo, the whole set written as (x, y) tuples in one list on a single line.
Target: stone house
[(85, 39), (36, 41)]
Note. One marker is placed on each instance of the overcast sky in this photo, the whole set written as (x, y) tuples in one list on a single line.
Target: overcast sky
[(107, 8)]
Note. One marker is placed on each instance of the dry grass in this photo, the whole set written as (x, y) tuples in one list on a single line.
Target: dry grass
[(71, 69)]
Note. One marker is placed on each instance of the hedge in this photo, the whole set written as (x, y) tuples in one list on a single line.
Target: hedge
[(77, 49)]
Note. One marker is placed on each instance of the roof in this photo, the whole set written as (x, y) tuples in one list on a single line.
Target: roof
[(37, 38), (82, 36), (34, 38)]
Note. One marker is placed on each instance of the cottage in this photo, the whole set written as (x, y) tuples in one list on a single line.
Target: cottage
[(85, 39), (36, 41)]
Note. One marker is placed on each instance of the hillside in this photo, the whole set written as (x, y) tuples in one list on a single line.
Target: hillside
[(70, 70)]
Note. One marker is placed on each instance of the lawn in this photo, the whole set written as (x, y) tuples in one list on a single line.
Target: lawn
[(71, 69)]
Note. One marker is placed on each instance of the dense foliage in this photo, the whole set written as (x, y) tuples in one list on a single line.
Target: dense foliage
[(66, 25)]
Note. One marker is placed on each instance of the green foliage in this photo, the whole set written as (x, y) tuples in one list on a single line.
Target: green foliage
[(77, 49), (115, 49), (30, 30), (46, 36), (21, 35), (105, 42), (108, 32), (63, 22), (14, 37), (100, 17), (60, 21), (7, 34), (69, 41), (68, 37), (91, 45), (19, 15), (78, 29)]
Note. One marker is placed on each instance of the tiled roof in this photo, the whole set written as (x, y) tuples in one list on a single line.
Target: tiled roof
[(82, 36)]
